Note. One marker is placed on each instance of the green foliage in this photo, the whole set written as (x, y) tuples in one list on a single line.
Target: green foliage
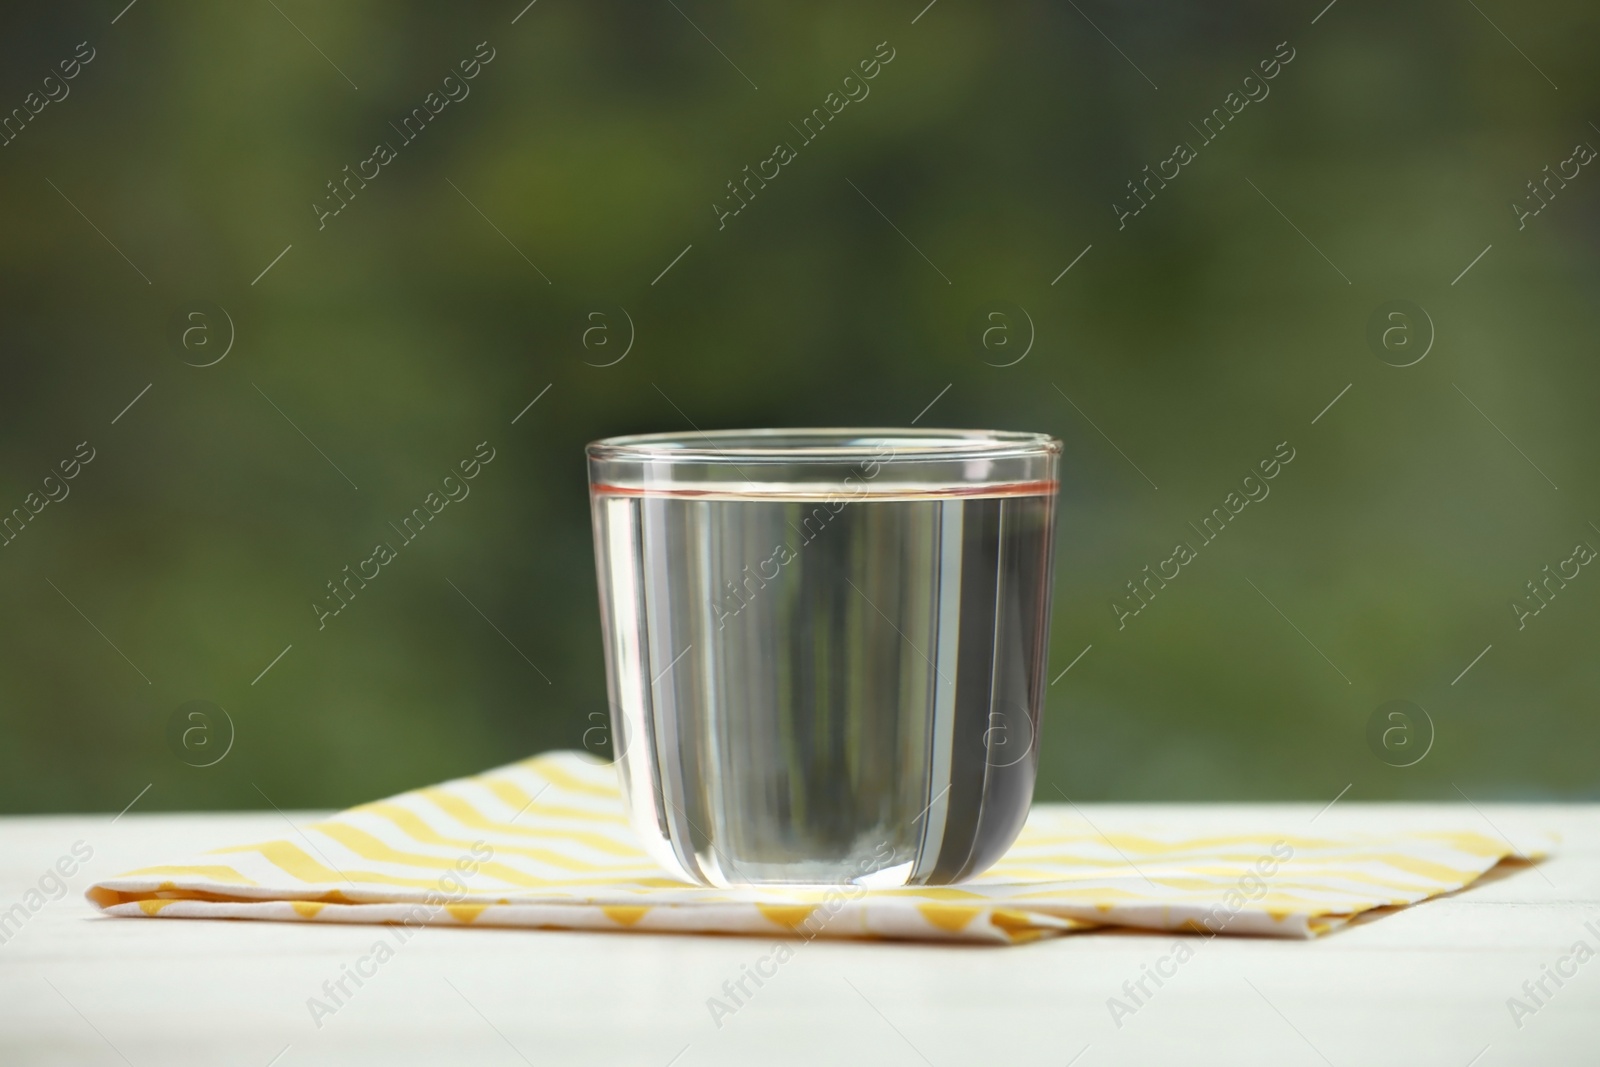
[(598, 140)]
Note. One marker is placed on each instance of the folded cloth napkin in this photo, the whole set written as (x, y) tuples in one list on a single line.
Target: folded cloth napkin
[(544, 843)]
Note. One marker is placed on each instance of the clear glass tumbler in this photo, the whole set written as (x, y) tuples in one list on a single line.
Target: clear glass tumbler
[(826, 648)]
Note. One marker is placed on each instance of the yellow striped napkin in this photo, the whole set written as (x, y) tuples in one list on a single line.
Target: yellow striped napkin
[(544, 843)]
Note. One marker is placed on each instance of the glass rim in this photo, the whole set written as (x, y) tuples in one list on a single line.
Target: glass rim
[(822, 444)]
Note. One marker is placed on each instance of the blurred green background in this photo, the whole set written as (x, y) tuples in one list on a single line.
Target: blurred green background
[(590, 152)]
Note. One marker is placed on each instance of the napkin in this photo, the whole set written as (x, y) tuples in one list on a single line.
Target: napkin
[(544, 843)]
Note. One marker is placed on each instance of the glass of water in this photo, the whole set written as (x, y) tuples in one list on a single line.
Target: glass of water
[(825, 649)]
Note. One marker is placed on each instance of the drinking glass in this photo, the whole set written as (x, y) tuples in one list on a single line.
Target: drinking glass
[(825, 648)]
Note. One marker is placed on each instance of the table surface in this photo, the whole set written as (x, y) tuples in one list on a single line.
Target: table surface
[(1422, 986)]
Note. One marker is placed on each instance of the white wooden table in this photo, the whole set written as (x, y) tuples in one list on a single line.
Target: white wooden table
[(1419, 987)]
